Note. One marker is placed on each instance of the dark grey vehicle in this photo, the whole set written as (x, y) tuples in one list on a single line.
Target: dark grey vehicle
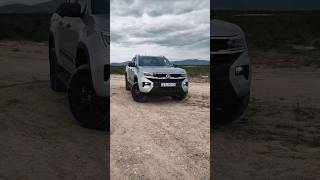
[(231, 71)]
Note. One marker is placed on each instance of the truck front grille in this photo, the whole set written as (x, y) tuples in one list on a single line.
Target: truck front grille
[(160, 75), (222, 88), (165, 75), (220, 59), (166, 90), (175, 75), (218, 44), (157, 82)]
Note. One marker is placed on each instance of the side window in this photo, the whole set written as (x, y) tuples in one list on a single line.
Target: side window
[(69, 9), (60, 9), (83, 4)]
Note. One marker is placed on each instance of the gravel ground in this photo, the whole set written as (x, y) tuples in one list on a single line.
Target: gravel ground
[(160, 139)]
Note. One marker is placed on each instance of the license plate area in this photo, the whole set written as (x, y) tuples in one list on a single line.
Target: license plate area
[(168, 84)]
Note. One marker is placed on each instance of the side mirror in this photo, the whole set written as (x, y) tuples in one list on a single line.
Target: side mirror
[(174, 65), (71, 10), (131, 64)]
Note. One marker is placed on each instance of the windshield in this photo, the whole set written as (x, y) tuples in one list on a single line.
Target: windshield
[(153, 61), (100, 7)]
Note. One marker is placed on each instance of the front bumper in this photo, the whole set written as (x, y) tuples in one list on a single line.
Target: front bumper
[(154, 86), (229, 89)]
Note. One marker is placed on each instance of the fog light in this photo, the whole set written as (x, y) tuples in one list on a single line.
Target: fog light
[(242, 70), (146, 84), (186, 83), (239, 70)]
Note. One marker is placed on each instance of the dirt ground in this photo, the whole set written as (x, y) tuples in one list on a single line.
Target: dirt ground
[(39, 139), (279, 136), (160, 139)]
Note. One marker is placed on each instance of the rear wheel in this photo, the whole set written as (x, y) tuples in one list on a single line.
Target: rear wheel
[(55, 83), (87, 107), (137, 95)]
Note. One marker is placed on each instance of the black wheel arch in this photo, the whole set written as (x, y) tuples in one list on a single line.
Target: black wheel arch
[(82, 56), (50, 41), (135, 79), (51, 36)]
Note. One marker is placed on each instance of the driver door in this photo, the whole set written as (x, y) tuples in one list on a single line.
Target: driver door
[(70, 29), (58, 34)]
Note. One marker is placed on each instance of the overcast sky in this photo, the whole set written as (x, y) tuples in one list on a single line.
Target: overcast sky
[(177, 29)]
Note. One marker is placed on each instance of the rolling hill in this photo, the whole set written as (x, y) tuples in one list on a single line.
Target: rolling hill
[(186, 62), (42, 8), (265, 5)]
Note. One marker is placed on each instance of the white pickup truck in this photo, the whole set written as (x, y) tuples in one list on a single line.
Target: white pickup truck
[(79, 59), (155, 75)]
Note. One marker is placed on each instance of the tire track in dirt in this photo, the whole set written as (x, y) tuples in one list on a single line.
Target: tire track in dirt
[(39, 138), (160, 139)]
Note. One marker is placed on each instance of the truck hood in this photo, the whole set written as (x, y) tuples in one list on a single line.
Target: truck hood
[(164, 70), (223, 28), (99, 23)]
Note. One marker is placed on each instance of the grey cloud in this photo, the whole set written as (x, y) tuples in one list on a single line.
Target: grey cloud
[(177, 27), (156, 8), (117, 37)]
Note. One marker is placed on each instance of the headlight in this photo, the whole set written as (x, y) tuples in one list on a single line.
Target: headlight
[(148, 74), (106, 39), (236, 44)]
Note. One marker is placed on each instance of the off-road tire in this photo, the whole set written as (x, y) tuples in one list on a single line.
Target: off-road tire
[(232, 112), (137, 95), (55, 83), (90, 110), (179, 97)]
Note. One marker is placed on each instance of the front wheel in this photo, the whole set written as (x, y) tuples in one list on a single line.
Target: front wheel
[(232, 112), (137, 95), (180, 96), (87, 107)]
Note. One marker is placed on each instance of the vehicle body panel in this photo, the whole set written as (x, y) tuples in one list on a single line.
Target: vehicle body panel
[(159, 76), (229, 86), (86, 33)]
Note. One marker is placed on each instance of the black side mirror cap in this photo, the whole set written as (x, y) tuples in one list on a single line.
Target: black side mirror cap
[(71, 10), (131, 64)]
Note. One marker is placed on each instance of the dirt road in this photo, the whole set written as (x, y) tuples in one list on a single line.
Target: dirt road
[(279, 136), (160, 139), (39, 139)]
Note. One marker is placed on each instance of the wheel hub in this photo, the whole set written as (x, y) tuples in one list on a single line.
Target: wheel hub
[(87, 95)]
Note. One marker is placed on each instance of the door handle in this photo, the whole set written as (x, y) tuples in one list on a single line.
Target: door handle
[(60, 23), (68, 25)]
